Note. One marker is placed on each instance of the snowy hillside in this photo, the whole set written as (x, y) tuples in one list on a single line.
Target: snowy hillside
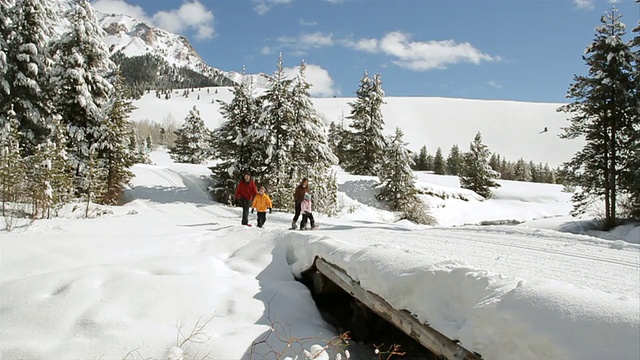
[(511, 129)]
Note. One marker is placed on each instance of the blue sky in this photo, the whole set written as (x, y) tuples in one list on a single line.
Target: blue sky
[(524, 50)]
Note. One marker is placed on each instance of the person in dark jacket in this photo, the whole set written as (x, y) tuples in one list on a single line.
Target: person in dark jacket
[(298, 197), (245, 192)]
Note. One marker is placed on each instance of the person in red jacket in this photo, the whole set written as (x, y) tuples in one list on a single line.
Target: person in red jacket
[(245, 192)]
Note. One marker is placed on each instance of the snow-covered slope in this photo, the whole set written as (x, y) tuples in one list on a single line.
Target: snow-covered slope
[(512, 129)]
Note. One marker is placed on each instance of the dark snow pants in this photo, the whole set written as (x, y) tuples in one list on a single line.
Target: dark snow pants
[(298, 210), (246, 205), (305, 217), (262, 218)]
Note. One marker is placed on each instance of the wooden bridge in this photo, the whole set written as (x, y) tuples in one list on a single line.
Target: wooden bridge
[(328, 278)]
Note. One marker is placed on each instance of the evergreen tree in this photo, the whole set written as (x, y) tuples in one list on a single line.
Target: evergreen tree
[(438, 163), (192, 142), (507, 170), (38, 186), (605, 112), (79, 78), (422, 162), (314, 157), (93, 184), (454, 161), (114, 143), (278, 124), (12, 167), (236, 143), (494, 162), (476, 174), (522, 171), (429, 163), (336, 139), (59, 169), (5, 34), (631, 181), (27, 70), (366, 141), (397, 182)]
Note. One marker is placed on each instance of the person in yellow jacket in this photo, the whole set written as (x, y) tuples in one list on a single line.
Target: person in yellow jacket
[(261, 203)]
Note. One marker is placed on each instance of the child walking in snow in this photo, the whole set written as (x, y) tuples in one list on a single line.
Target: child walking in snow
[(305, 209), (261, 203)]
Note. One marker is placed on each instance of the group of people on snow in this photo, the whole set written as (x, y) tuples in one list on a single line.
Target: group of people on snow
[(251, 198)]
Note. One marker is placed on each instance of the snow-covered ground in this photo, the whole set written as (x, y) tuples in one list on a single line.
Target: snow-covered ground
[(130, 283)]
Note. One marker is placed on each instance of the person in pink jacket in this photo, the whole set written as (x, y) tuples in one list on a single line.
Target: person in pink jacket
[(307, 214)]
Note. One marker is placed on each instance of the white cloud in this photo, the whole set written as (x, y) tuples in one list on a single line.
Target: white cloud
[(306, 41), (303, 22), (263, 6), (368, 45), (266, 50), (583, 4), (418, 55), (319, 78), (494, 84), (120, 7), (190, 15)]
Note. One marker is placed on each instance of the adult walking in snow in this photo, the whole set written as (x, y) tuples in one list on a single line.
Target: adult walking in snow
[(298, 196), (245, 192)]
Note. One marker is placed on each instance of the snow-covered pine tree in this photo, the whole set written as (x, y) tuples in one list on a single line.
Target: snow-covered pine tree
[(605, 112), (476, 174), (38, 186), (336, 139), (28, 69), (114, 143), (397, 182), (192, 140), (313, 157), (632, 183), (79, 76), (93, 184), (454, 161), (278, 122), (59, 167), (5, 33), (237, 143), (439, 166), (366, 140), (12, 167), (522, 171)]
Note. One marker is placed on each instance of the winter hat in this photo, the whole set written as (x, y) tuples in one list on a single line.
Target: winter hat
[(307, 196)]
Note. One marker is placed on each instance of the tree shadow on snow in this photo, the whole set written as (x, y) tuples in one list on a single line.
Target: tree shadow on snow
[(164, 195), (365, 224), (362, 191)]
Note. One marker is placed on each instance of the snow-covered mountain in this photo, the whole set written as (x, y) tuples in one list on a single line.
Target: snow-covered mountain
[(132, 38)]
